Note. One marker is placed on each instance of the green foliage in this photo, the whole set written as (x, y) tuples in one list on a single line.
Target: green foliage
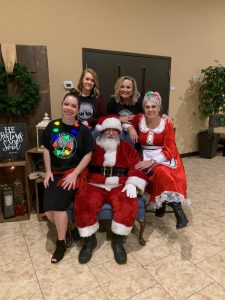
[(212, 94), (221, 120), (28, 91)]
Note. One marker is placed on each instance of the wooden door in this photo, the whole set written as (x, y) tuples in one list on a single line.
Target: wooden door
[(150, 72), (36, 61)]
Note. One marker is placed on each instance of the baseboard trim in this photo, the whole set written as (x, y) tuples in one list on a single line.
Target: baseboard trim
[(190, 154), (220, 148)]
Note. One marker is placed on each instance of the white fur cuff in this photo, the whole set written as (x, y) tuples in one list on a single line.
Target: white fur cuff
[(137, 181), (120, 228), (89, 230)]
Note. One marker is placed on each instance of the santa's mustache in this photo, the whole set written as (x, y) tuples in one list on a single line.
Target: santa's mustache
[(108, 144)]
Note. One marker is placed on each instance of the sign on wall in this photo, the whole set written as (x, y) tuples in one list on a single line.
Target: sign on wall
[(13, 141)]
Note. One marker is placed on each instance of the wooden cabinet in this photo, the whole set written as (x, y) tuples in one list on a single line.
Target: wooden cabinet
[(35, 190), (13, 174)]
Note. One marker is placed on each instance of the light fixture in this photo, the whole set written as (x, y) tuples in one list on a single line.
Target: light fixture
[(39, 129)]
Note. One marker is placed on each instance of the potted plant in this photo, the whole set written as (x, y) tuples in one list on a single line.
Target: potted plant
[(211, 106)]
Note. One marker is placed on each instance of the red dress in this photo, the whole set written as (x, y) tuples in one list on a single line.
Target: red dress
[(166, 179)]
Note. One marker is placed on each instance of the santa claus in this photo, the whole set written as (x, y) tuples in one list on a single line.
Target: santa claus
[(112, 179)]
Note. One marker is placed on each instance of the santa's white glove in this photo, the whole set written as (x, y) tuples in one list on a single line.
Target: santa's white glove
[(130, 190)]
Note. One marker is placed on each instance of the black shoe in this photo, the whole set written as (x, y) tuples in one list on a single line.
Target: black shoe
[(120, 254), (85, 254), (179, 214), (59, 251), (160, 212)]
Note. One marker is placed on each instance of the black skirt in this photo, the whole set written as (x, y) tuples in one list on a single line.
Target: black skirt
[(56, 198)]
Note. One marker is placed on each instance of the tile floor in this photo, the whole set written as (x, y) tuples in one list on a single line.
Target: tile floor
[(175, 264)]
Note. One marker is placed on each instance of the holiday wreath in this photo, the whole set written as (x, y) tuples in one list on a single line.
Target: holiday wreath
[(28, 91)]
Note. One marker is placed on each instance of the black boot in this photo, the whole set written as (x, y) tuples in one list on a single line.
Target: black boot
[(160, 212), (85, 254), (120, 254), (179, 214), (59, 251)]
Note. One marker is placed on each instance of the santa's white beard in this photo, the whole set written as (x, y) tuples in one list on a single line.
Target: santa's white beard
[(108, 144)]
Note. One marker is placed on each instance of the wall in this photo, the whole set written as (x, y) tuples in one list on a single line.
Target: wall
[(190, 31)]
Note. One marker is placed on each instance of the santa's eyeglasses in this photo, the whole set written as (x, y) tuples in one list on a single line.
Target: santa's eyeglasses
[(111, 130)]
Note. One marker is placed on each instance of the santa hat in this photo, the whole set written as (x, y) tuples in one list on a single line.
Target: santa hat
[(110, 121)]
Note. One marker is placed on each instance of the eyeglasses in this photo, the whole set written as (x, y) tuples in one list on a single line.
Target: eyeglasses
[(111, 130)]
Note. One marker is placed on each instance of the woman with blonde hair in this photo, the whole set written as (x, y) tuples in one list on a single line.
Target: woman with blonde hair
[(126, 102)]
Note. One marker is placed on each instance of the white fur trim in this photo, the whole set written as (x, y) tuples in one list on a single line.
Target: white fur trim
[(114, 181), (109, 123), (143, 127), (89, 230), (110, 158), (98, 127), (126, 126), (137, 181), (120, 228), (105, 187)]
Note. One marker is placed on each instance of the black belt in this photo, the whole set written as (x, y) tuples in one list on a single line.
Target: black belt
[(108, 171)]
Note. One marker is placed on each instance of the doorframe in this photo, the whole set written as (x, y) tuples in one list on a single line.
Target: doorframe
[(84, 50), (168, 58)]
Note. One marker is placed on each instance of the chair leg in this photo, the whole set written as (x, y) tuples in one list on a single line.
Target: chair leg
[(69, 238), (142, 228), (109, 235)]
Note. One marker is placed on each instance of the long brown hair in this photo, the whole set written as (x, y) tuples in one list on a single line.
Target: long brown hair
[(96, 91)]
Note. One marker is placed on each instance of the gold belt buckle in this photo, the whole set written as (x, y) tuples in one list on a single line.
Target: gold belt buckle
[(111, 172), (108, 171)]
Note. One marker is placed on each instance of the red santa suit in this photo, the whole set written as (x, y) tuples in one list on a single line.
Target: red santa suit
[(167, 180), (110, 171)]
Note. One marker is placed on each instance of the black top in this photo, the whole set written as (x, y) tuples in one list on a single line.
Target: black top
[(67, 144), (123, 109), (91, 109)]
